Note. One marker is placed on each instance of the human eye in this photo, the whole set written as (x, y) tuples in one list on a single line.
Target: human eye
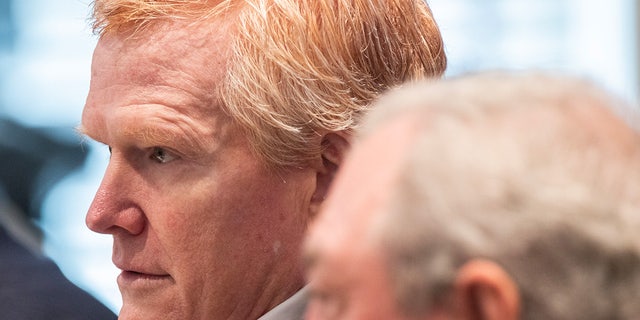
[(162, 155)]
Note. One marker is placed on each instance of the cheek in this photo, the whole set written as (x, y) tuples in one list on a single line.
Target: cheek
[(380, 296), (233, 213)]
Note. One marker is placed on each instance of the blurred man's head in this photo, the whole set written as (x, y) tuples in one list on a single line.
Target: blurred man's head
[(487, 197)]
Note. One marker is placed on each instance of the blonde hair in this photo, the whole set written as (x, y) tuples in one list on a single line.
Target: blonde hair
[(302, 68)]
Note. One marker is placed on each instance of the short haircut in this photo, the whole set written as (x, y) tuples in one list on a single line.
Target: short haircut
[(538, 172), (302, 68)]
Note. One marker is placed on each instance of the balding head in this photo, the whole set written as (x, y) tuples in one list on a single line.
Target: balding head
[(536, 174)]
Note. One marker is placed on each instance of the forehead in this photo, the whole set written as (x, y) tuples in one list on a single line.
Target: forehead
[(178, 64), (363, 189), (166, 47)]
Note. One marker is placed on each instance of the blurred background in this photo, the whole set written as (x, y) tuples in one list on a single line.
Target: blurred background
[(48, 174)]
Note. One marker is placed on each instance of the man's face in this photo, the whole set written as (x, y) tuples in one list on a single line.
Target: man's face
[(348, 276), (201, 229)]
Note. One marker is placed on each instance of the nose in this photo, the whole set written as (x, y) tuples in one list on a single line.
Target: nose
[(114, 208)]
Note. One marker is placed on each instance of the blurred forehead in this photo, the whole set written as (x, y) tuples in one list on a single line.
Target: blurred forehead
[(371, 169), (363, 188)]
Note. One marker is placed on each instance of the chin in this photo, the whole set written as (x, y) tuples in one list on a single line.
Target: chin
[(138, 313), (151, 307)]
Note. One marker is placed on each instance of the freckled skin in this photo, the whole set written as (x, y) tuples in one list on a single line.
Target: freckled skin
[(184, 198)]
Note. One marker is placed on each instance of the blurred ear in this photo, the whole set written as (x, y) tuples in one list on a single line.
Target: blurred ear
[(335, 146), (485, 291)]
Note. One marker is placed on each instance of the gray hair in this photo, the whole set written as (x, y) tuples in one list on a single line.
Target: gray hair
[(536, 172)]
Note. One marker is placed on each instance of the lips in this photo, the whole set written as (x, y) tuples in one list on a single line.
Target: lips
[(140, 280), (133, 275)]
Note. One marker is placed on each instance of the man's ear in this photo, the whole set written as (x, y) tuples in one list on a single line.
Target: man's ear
[(485, 291), (335, 146)]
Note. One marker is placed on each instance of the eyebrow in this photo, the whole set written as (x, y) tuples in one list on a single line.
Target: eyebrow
[(158, 136), (82, 131)]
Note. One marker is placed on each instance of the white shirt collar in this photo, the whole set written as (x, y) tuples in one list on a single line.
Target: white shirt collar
[(291, 309)]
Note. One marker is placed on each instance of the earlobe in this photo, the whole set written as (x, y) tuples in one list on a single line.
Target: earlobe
[(485, 291), (335, 146)]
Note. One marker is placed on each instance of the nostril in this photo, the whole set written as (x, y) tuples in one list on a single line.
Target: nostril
[(131, 219)]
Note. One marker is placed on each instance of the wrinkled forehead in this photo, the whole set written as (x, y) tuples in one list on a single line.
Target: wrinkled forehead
[(193, 54)]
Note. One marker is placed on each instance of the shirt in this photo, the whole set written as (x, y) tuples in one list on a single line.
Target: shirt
[(291, 309)]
